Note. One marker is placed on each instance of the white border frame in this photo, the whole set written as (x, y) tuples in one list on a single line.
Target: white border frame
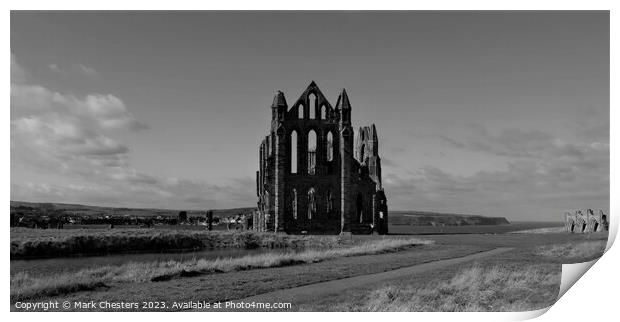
[(598, 287)]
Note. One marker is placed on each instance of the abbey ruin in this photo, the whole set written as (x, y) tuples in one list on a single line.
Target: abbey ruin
[(314, 177), (588, 223)]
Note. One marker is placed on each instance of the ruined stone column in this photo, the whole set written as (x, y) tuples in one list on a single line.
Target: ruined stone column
[(343, 106), (346, 201)]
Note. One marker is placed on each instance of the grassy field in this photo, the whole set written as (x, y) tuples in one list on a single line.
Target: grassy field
[(35, 243), (240, 284), (24, 286), (526, 278), (38, 243), (479, 287)]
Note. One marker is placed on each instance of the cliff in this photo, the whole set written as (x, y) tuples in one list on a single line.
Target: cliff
[(421, 218)]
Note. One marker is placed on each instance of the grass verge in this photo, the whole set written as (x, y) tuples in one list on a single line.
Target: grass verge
[(546, 230), (476, 288), (25, 287), (584, 249)]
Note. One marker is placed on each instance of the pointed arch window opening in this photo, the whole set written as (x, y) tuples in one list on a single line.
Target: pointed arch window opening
[(323, 112), (312, 152), (330, 146), (311, 203), (363, 153), (300, 111), (312, 100), (360, 208), (329, 204), (294, 159), (294, 204)]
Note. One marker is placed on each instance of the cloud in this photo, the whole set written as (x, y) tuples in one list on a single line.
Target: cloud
[(65, 130), (63, 138), (69, 143), (140, 190), (524, 191), (98, 110), (88, 71), (18, 74), (64, 134), (533, 144), (55, 68), (508, 142), (388, 163), (544, 176), (75, 69)]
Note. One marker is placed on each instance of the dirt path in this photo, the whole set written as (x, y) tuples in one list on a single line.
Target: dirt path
[(308, 292)]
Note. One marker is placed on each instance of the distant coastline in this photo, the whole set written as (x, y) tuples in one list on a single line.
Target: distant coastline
[(138, 211)]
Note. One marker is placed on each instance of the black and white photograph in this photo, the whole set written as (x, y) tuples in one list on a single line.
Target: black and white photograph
[(306, 161)]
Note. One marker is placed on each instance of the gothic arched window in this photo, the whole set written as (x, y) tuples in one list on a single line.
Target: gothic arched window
[(311, 202), (329, 203), (363, 153), (311, 152), (294, 203), (323, 112), (359, 208), (330, 146), (300, 111), (294, 152), (312, 106)]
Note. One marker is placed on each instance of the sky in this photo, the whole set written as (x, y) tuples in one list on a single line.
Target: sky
[(487, 113)]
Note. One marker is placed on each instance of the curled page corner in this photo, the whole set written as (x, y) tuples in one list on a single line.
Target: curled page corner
[(528, 315), (613, 231), (573, 272)]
